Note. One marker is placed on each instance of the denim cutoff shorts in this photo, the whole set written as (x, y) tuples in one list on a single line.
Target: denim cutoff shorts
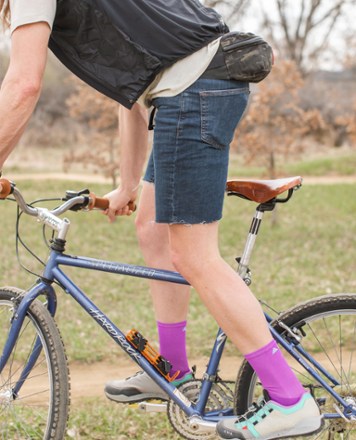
[(190, 155)]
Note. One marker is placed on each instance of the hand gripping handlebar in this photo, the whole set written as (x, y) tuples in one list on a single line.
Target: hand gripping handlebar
[(102, 203), (6, 188), (89, 201)]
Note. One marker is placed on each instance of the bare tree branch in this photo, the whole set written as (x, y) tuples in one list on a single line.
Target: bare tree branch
[(232, 10), (299, 29), (281, 5), (300, 21), (324, 42)]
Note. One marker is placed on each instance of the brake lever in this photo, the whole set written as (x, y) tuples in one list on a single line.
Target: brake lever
[(71, 194)]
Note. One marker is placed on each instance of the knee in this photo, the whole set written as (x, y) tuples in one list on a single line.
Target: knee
[(179, 263), (153, 238), (184, 262), (143, 232)]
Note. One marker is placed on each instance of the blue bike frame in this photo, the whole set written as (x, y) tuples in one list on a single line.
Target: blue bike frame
[(53, 272)]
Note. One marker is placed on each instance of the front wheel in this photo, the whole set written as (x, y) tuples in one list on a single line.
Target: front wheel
[(33, 404), (328, 328)]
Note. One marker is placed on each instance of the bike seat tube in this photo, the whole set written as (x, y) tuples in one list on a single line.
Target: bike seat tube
[(250, 243)]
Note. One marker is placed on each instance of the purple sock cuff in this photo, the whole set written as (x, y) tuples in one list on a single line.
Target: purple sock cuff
[(261, 351), (172, 345), (275, 374), (172, 325)]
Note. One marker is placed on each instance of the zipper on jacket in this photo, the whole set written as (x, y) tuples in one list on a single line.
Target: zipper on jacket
[(249, 42)]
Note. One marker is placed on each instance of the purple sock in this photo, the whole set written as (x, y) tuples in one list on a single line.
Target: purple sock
[(275, 374), (172, 344)]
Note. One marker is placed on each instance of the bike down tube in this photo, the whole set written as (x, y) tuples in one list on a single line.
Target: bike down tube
[(156, 274), (115, 333), (169, 276)]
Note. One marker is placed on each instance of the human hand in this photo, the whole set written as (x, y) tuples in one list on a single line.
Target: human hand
[(120, 203), (5, 188)]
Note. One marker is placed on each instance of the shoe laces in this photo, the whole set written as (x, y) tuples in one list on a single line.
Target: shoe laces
[(139, 373), (256, 413)]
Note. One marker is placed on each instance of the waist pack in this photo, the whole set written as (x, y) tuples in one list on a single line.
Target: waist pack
[(247, 56)]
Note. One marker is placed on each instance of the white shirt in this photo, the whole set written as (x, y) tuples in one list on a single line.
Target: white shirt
[(32, 11), (177, 78)]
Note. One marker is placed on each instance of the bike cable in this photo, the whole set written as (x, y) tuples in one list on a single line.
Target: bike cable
[(19, 241)]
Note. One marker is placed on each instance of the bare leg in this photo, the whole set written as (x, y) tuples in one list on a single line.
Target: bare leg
[(170, 303), (196, 256), (170, 300)]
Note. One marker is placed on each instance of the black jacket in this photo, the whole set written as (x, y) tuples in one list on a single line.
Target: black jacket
[(119, 46)]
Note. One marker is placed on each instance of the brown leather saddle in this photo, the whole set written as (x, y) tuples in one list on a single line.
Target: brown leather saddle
[(262, 191)]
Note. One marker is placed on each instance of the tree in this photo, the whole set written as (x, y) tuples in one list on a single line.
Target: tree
[(302, 30), (232, 10), (348, 123), (275, 123), (97, 132), (348, 120)]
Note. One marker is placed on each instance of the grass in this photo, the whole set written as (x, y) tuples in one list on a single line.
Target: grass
[(310, 251), (344, 165), (100, 420), (340, 163)]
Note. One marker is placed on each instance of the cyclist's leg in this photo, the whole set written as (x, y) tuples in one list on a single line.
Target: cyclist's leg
[(218, 285), (170, 300), (240, 315)]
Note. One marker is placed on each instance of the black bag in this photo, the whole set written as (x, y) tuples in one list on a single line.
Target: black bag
[(248, 57)]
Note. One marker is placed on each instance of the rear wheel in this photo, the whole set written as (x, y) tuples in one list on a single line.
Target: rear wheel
[(327, 326), (39, 408)]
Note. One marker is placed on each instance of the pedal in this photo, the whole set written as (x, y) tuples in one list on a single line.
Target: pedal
[(151, 406), (154, 358)]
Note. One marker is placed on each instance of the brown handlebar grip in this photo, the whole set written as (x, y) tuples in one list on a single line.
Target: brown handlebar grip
[(98, 202), (103, 203), (5, 188)]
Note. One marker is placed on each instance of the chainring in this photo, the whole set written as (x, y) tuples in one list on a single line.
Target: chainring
[(220, 397)]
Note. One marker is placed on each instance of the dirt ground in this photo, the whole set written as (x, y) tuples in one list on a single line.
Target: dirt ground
[(89, 380)]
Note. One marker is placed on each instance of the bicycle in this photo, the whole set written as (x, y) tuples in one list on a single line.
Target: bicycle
[(318, 335)]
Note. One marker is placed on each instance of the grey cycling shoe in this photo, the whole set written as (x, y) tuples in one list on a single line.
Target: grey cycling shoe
[(138, 387), (269, 420)]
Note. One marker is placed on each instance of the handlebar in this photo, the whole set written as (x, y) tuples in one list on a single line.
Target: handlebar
[(103, 203), (85, 201)]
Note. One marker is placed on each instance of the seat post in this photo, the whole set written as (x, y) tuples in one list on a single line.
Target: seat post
[(243, 269)]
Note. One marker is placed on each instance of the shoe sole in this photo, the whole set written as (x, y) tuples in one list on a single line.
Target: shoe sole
[(309, 427), (121, 398)]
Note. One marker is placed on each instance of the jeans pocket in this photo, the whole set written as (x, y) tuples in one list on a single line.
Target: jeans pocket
[(221, 111)]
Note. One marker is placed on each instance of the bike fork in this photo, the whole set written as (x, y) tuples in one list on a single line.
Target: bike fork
[(17, 322)]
